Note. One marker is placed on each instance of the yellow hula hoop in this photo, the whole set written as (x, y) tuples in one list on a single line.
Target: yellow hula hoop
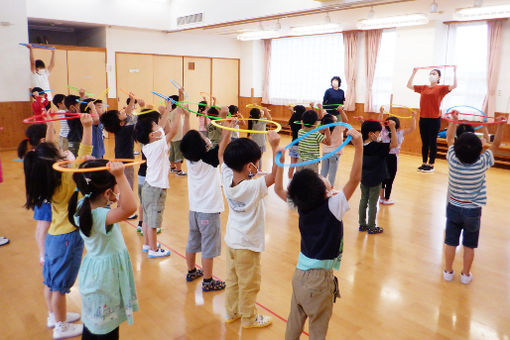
[(215, 123), (144, 112), (58, 165), (256, 106), (394, 115)]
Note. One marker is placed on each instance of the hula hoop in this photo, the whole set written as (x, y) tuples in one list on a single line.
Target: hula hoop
[(394, 115), (182, 107), (474, 123), (468, 114), (179, 86), (199, 104), (41, 92), (39, 46), (429, 67), (40, 119), (58, 165), (256, 106), (78, 90), (101, 95), (215, 123), (144, 112), (318, 159), (361, 119)]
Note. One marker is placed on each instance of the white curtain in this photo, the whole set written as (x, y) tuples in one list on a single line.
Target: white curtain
[(384, 71), (302, 67), (467, 48)]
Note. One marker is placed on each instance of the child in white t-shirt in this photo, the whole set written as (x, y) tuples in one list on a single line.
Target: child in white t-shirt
[(155, 148), (245, 227), (205, 204)]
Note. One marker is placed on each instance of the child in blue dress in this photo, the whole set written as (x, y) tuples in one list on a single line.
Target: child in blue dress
[(106, 280)]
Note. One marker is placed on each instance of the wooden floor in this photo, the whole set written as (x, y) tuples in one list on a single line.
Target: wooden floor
[(391, 284)]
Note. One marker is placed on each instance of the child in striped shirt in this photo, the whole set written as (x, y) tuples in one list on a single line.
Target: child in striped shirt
[(467, 193), (309, 147)]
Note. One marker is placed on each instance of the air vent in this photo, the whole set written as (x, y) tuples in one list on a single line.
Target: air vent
[(190, 19)]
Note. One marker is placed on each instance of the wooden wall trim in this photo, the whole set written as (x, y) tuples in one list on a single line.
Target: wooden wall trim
[(11, 119)]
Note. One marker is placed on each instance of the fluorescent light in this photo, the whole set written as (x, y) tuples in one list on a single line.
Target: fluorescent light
[(398, 21), (316, 29), (257, 35), (480, 13)]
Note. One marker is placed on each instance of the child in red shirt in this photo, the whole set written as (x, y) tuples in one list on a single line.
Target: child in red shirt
[(40, 103)]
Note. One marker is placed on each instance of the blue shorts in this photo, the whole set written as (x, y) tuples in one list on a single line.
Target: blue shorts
[(62, 258), (43, 213), (294, 151), (465, 220)]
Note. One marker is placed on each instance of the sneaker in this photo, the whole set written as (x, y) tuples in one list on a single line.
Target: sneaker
[(181, 173), (132, 217), (428, 168), (230, 319), (158, 253), (3, 241), (64, 330), (136, 153), (387, 202), (70, 317), (448, 276), (172, 170), (195, 275), (158, 231), (466, 279), (363, 228), (422, 167), (146, 247), (139, 230), (375, 230), (260, 321), (213, 285)]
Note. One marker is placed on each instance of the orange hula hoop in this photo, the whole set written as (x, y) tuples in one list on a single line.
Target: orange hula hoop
[(58, 166)]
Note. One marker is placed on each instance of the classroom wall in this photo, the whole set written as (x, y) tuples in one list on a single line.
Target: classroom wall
[(14, 58), (185, 43), (252, 68)]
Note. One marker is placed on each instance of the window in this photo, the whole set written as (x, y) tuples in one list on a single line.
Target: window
[(384, 71), (302, 67), (467, 48)]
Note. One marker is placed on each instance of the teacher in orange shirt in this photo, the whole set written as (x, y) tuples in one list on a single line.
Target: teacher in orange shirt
[(430, 114)]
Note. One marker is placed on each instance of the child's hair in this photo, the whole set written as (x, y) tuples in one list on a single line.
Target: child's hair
[(241, 152), (128, 100), (463, 128), (142, 130), (193, 146), (91, 185), (438, 73), (232, 109), (212, 111), (299, 109), (70, 100), (369, 126), (309, 117), (306, 190), (468, 148), (84, 107), (36, 89), (34, 135), (59, 98), (39, 63), (152, 115), (202, 107), (40, 178), (397, 124), (110, 120), (255, 114), (336, 78), (328, 119), (175, 98)]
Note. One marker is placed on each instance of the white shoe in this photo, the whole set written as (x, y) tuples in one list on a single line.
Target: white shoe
[(387, 202), (260, 321), (158, 253), (448, 276), (64, 330), (466, 279), (70, 317), (146, 247)]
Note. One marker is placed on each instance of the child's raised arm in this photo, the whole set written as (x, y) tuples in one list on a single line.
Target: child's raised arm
[(355, 176), (274, 141), (225, 134), (32, 60), (413, 125), (450, 133), (498, 137), (278, 184), (127, 200), (394, 139), (86, 122), (327, 135)]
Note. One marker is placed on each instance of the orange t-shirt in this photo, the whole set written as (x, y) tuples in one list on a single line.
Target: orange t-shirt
[(430, 99)]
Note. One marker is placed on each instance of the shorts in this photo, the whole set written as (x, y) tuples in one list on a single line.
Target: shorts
[(175, 152), (129, 171), (141, 181), (153, 205), (313, 166), (465, 220), (62, 258), (43, 213), (294, 151), (204, 234)]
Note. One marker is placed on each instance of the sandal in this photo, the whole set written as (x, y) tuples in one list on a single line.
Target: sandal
[(194, 275), (375, 230), (213, 285)]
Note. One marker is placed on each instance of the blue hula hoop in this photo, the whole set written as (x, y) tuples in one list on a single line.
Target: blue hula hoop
[(39, 46), (318, 159), (474, 108), (178, 86)]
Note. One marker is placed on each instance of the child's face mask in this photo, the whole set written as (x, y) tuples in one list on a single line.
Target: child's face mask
[(376, 137), (433, 78)]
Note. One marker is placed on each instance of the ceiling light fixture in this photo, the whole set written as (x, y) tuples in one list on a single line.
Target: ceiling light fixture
[(371, 13), (257, 35), (434, 8), (482, 13), (389, 22)]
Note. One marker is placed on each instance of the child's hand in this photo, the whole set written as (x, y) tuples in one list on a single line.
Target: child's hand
[(500, 119), (356, 136), (86, 120), (116, 168), (312, 104), (340, 108), (204, 98), (141, 102), (224, 112), (274, 139), (455, 115), (282, 150), (391, 123)]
